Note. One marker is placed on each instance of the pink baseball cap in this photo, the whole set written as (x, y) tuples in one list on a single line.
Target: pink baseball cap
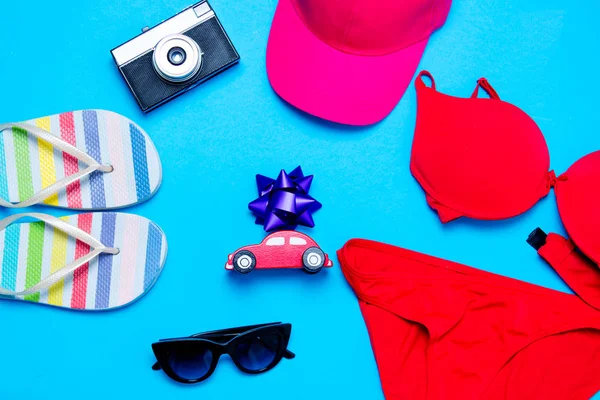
[(349, 61)]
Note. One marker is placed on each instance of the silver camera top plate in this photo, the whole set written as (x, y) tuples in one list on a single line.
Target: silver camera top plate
[(146, 41)]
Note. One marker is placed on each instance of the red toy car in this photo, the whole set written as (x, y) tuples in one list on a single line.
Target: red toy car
[(283, 249)]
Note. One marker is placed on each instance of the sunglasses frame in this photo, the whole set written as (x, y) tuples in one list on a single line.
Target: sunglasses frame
[(221, 342)]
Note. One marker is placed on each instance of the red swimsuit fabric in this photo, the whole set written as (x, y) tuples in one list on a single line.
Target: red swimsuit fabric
[(442, 330), (485, 158), (477, 157), (578, 271)]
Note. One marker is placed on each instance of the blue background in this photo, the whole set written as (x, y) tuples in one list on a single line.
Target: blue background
[(540, 55)]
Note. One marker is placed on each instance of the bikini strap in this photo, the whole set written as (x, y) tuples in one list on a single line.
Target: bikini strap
[(575, 269), (485, 85), (419, 84)]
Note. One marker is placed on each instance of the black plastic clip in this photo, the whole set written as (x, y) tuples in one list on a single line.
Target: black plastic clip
[(537, 238)]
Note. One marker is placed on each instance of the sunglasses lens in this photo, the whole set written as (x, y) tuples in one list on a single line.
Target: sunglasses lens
[(257, 353), (191, 362)]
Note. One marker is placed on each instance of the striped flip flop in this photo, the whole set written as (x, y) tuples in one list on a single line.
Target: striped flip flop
[(93, 261), (88, 160)]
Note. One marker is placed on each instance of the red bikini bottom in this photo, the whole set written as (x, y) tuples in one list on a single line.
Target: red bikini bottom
[(441, 330)]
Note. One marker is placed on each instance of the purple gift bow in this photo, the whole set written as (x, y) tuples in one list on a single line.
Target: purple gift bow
[(284, 203)]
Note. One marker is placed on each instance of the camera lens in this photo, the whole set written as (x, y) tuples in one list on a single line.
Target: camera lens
[(177, 58)]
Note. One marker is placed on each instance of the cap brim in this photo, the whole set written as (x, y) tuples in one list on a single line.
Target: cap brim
[(331, 84)]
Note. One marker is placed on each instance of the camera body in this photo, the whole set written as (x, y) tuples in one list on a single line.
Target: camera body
[(175, 56)]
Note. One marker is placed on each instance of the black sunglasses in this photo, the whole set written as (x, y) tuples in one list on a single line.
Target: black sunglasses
[(253, 349)]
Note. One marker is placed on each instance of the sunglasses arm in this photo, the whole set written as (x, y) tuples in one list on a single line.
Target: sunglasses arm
[(288, 354), (233, 331)]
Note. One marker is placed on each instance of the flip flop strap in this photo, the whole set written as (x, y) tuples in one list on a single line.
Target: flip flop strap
[(63, 146), (71, 230)]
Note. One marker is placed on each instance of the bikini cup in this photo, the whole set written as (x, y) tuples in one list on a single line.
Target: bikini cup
[(484, 158)]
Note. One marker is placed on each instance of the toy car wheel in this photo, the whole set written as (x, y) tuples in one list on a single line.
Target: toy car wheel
[(244, 261), (313, 259)]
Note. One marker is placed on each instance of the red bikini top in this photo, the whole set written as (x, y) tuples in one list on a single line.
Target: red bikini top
[(487, 159)]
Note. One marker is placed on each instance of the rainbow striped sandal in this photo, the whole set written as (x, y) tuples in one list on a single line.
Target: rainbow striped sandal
[(93, 261), (87, 160)]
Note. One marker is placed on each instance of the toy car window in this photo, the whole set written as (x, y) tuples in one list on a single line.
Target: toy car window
[(276, 241), (297, 241)]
